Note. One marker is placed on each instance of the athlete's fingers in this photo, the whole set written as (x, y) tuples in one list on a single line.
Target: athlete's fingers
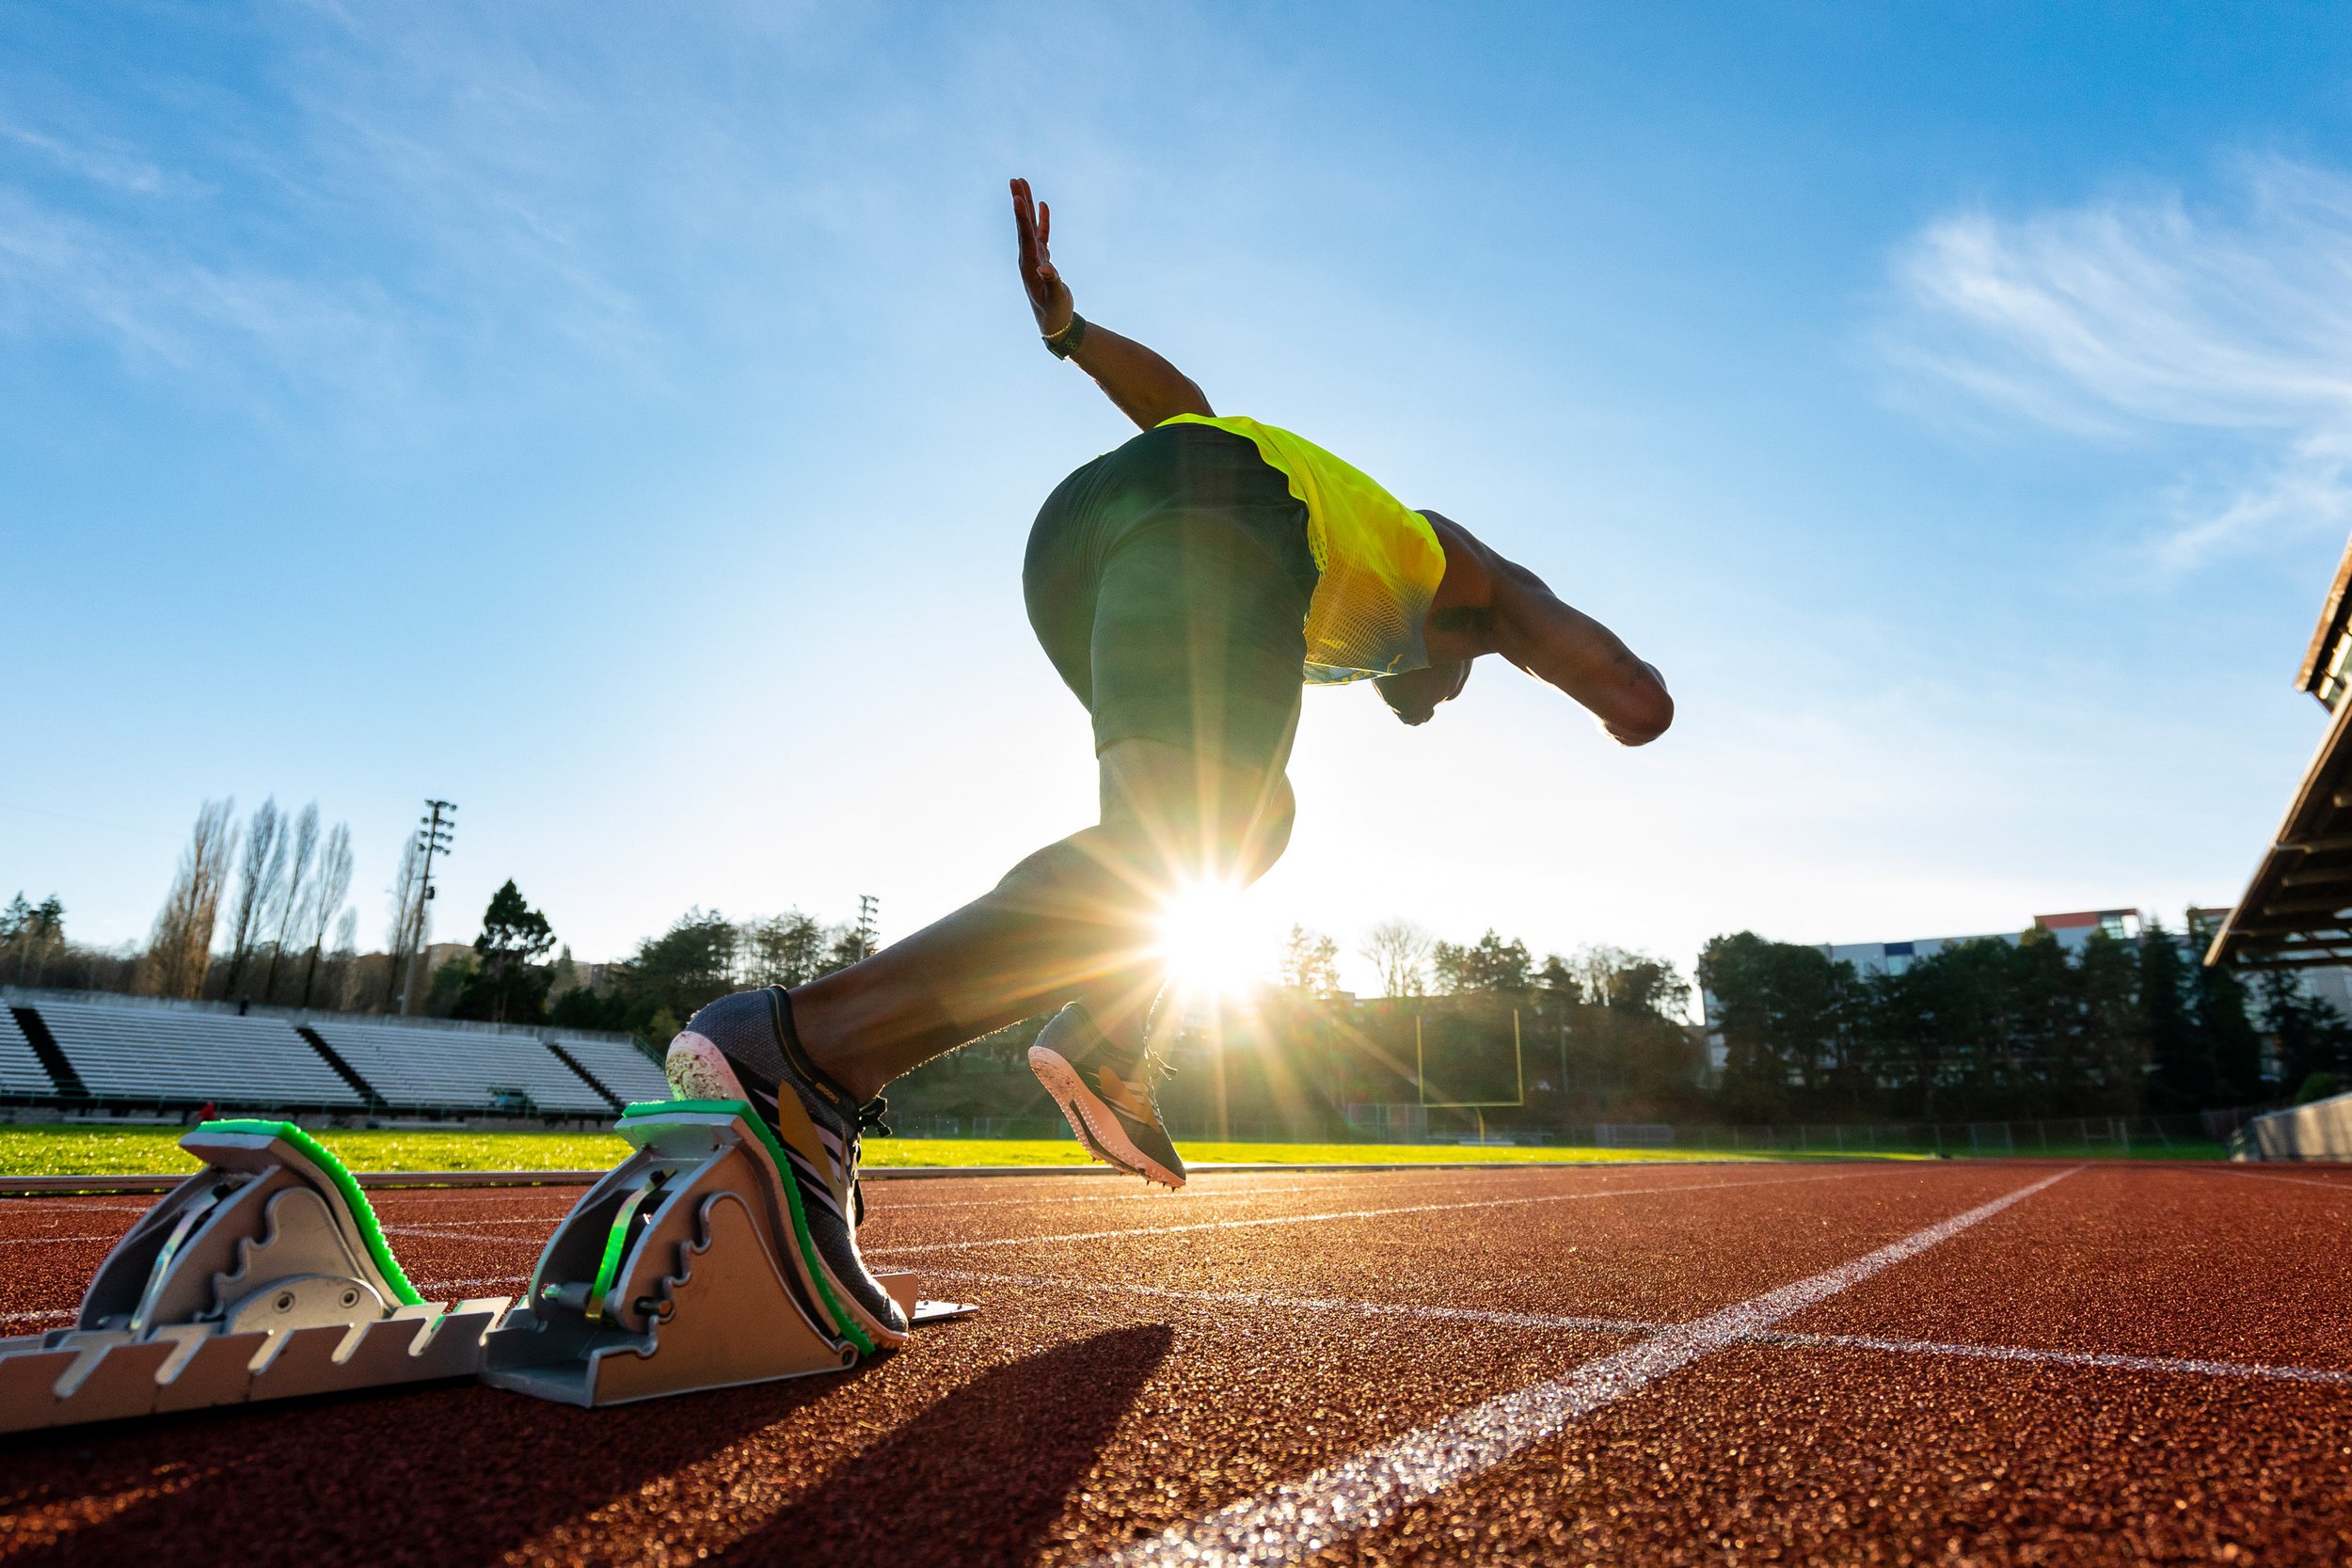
[(1025, 221), (1044, 232)]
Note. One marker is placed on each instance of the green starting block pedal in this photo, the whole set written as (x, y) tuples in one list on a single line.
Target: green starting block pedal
[(682, 1269), (262, 1276)]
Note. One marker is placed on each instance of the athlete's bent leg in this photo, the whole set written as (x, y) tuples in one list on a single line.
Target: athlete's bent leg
[(1076, 921)]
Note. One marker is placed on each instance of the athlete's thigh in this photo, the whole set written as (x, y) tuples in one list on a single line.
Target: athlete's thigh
[(1193, 816)]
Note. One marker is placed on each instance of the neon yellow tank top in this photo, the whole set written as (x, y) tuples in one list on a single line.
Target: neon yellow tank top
[(1379, 559)]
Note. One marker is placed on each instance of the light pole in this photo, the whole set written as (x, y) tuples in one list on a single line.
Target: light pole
[(434, 834)]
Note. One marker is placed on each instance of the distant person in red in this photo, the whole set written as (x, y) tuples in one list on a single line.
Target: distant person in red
[(207, 1112), (1185, 585)]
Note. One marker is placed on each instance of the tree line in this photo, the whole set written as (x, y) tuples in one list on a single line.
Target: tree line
[(1994, 1028)]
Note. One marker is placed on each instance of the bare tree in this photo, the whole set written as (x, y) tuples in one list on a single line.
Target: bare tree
[(410, 919), (343, 961), (328, 888), (260, 874), (1399, 950), (1311, 963), (291, 905), (179, 952)]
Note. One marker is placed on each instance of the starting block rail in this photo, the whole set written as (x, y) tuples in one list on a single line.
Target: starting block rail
[(266, 1277)]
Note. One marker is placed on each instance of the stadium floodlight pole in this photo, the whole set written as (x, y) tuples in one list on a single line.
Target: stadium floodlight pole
[(869, 924), (434, 832)]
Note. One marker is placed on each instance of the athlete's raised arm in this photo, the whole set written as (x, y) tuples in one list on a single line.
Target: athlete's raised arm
[(1146, 387)]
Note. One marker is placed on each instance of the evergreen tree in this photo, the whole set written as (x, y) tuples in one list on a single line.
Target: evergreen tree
[(2178, 1054), (508, 983), (2230, 1040), (2057, 1074), (2311, 1036), (2114, 1032)]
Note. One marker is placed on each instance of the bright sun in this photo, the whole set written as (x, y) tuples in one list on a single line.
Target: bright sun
[(1206, 940)]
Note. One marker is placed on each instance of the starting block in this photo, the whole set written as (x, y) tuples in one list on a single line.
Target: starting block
[(687, 1267), (262, 1276), (265, 1275)]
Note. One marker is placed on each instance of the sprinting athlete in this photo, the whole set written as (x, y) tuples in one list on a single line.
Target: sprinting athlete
[(1185, 586)]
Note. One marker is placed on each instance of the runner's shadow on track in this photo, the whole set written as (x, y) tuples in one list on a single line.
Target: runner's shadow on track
[(980, 1476), (464, 1475)]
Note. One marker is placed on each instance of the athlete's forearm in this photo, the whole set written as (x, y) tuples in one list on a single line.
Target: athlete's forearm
[(1562, 645), (1146, 387)]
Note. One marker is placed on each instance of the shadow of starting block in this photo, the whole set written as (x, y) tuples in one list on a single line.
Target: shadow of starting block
[(262, 1276), (687, 1267)]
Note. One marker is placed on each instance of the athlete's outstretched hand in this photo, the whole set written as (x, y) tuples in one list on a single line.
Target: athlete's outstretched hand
[(1049, 297)]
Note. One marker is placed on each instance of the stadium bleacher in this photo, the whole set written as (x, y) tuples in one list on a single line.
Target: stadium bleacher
[(155, 1055), (458, 1070), (621, 1067), (21, 1072)]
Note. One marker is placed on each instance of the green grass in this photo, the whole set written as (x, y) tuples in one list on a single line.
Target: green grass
[(37, 1150), (142, 1151), (34, 1151), (1059, 1151)]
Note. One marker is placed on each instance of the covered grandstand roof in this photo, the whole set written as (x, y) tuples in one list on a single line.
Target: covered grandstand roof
[(2298, 910)]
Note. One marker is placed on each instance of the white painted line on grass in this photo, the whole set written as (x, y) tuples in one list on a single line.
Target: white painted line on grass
[(1332, 1505), (1346, 1214)]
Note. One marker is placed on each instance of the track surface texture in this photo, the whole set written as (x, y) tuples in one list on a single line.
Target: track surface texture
[(1858, 1363)]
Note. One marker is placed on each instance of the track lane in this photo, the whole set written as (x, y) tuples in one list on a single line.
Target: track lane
[(2158, 1262), (1080, 1412)]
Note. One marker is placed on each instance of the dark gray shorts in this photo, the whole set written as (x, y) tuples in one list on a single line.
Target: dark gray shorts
[(1169, 581)]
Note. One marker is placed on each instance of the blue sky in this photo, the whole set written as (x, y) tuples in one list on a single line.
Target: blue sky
[(625, 421)]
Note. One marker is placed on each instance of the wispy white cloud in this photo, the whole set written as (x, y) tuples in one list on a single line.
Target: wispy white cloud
[(2142, 319), (101, 166)]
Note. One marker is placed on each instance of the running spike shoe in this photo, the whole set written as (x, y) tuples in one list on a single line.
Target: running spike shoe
[(742, 1047), (1106, 1092)]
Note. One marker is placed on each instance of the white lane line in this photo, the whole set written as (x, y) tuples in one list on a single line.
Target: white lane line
[(36, 1317), (1343, 1214), (1312, 1304), (1338, 1178), (432, 1287), (1332, 1505), (2342, 1188), (890, 1206), (2106, 1360), (38, 1241)]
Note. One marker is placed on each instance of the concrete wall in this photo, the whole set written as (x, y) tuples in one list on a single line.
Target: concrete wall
[(2320, 1131)]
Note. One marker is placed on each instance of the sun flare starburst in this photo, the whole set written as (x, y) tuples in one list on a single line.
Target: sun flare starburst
[(1206, 940)]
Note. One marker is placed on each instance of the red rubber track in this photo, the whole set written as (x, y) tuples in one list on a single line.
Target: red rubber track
[(2132, 1364)]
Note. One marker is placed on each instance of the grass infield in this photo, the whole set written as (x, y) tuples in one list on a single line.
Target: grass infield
[(46, 1150)]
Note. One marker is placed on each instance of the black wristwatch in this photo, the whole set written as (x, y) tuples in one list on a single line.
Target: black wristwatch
[(1062, 344)]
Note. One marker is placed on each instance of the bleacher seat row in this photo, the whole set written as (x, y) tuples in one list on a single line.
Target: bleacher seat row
[(187, 1056)]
